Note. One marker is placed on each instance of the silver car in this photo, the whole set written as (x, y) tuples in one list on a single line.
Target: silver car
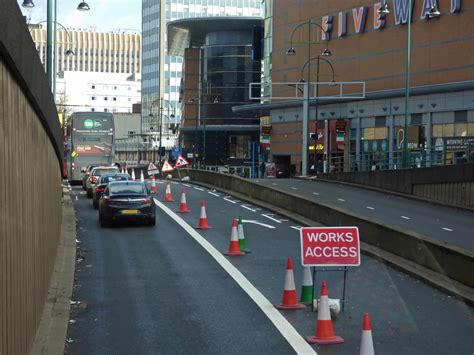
[(94, 176)]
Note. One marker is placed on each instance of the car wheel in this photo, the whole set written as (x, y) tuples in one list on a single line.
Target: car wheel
[(89, 193), (152, 221)]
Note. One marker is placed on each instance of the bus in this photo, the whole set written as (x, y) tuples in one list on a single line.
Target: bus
[(89, 140)]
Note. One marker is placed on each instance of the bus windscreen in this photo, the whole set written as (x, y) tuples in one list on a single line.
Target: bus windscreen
[(92, 134)]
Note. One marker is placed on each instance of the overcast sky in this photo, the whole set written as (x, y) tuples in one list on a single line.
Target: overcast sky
[(104, 15)]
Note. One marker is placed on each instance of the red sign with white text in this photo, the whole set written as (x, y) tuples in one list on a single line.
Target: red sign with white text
[(330, 246)]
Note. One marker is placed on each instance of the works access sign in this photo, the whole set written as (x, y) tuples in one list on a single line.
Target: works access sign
[(330, 246)]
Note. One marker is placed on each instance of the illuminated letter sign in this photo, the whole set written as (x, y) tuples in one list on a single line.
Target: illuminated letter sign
[(400, 11), (379, 19), (342, 24), (455, 6), (425, 9), (327, 27), (359, 15)]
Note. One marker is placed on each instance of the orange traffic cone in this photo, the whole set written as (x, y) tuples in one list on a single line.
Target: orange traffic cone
[(153, 184), (289, 292), (133, 174), (324, 331), (366, 343), (142, 177), (203, 218), (234, 246), (183, 207), (168, 197)]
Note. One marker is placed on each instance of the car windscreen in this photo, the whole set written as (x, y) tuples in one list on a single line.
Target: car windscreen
[(124, 189), (100, 171), (107, 179)]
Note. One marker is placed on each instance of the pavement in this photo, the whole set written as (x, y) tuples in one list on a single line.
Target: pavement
[(161, 290)]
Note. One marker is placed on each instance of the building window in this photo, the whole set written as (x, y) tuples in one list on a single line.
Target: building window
[(93, 97), (115, 99), (131, 133), (93, 87), (92, 109), (115, 88), (106, 98), (106, 110)]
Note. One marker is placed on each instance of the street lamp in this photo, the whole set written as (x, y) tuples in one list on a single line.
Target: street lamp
[(193, 100), (83, 6), (160, 122), (291, 51)]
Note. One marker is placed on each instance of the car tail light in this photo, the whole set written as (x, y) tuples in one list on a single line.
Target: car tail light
[(92, 179), (100, 188)]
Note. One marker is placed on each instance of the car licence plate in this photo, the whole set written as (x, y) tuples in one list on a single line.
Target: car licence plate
[(129, 211)]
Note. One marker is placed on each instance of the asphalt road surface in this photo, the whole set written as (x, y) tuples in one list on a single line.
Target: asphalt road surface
[(165, 289), (445, 224)]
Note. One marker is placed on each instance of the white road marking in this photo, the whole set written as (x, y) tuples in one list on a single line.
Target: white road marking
[(294, 188), (342, 200), (198, 188), (213, 193), (259, 223), (370, 208), (229, 200), (248, 208), (187, 185), (447, 229), (76, 197), (269, 216), (175, 182), (274, 184), (297, 342), (296, 227), (405, 217), (160, 182), (316, 193)]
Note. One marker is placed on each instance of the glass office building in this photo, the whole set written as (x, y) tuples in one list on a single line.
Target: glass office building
[(161, 74)]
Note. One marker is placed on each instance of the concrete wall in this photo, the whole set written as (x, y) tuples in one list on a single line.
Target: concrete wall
[(450, 184), (30, 184), (448, 260)]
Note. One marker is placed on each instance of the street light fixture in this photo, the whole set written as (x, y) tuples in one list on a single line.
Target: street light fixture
[(83, 6), (291, 51), (28, 4)]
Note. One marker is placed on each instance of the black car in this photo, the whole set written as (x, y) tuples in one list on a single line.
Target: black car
[(102, 183), (126, 200)]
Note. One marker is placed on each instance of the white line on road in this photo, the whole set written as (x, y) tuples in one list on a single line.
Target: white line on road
[(248, 208), (229, 200), (269, 216), (187, 185), (213, 193), (76, 197), (259, 223), (447, 229), (175, 182), (316, 193), (294, 188), (342, 200), (198, 188), (296, 227), (297, 342), (274, 184), (405, 217), (370, 208)]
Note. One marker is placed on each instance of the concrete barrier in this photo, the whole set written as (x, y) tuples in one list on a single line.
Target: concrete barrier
[(454, 262)]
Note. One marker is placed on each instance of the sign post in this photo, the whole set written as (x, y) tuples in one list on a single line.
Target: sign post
[(330, 246)]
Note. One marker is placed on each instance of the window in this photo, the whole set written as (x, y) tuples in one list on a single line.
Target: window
[(106, 110), (93, 87), (93, 97), (106, 98), (115, 99), (92, 109)]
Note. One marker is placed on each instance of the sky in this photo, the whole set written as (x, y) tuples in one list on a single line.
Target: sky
[(104, 15)]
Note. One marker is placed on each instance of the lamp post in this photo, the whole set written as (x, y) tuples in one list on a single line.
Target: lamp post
[(307, 93), (160, 122), (193, 100), (433, 13), (320, 57)]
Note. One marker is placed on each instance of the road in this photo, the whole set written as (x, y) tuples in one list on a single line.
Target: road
[(164, 289), (444, 224)]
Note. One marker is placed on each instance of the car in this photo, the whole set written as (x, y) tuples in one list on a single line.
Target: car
[(94, 176), (102, 183), (87, 171), (126, 200)]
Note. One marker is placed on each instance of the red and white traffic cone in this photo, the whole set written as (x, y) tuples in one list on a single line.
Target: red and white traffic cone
[(234, 246), (168, 197), (133, 174), (289, 292), (142, 177), (366, 342), (203, 218), (324, 331), (153, 184), (183, 207)]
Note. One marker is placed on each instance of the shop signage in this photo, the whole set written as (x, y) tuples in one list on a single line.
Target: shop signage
[(359, 16), (458, 143)]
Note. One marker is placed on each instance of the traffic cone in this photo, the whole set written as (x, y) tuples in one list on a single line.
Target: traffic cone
[(153, 184), (366, 343), (324, 331), (142, 177), (203, 218), (183, 207), (242, 242), (168, 197), (234, 248), (289, 293), (307, 286), (133, 174)]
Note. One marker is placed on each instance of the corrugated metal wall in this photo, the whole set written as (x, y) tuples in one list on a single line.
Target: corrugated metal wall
[(30, 216)]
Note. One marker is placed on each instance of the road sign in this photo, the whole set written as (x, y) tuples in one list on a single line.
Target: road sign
[(180, 162), (166, 167), (330, 246), (152, 169), (189, 155), (175, 151)]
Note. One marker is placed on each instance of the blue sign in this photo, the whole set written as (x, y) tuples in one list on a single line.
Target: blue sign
[(175, 151), (384, 146), (374, 146), (366, 146)]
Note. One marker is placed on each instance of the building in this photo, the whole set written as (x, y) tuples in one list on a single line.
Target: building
[(217, 69), (105, 92), (161, 72), (103, 52), (370, 46)]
